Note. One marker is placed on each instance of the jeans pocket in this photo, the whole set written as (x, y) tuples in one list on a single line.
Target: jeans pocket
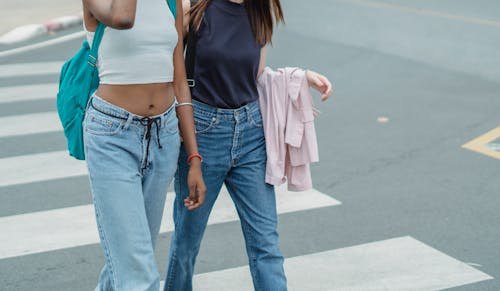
[(99, 124), (256, 118), (203, 123)]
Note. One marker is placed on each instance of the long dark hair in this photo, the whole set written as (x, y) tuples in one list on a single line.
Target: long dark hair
[(263, 15)]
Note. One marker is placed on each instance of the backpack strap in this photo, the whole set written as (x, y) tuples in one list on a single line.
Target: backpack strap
[(192, 40), (96, 42), (92, 57), (173, 7)]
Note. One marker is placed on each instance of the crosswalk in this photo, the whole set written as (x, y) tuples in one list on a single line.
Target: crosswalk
[(395, 263)]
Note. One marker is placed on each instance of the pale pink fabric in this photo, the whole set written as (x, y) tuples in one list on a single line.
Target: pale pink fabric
[(288, 118)]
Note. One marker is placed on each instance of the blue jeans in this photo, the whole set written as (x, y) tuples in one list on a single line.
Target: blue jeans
[(131, 161), (233, 147)]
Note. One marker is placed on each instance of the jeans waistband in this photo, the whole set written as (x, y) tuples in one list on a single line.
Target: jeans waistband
[(104, 107), (202, 108)]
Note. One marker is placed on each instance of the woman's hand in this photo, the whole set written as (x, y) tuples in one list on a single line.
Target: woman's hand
[(320, 83), (197, 188)]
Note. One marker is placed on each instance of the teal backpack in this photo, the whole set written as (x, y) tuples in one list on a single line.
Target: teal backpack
[(77, 82)]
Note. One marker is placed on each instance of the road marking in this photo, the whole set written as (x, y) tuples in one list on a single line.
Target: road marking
[(30, 69), (28, 92), (486, 144), (396, 264), (39, 45), (33, 123), (75, 226), (427, 12), (39, 167)]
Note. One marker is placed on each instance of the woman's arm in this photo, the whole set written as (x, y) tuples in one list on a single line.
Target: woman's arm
[(118, 14), (315, 80), (196, 185), (262, 62)]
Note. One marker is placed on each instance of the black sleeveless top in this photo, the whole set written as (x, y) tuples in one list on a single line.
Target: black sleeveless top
[(227, 57)]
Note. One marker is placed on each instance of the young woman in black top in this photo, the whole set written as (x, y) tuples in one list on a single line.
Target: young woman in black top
[(230, 55)]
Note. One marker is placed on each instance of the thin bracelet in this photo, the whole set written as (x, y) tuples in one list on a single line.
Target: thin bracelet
[(184, 104), (192, 156)]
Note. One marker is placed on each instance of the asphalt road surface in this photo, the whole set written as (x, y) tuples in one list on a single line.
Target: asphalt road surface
[(406, 191)]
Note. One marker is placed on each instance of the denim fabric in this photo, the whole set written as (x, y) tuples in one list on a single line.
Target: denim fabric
[(129, 189), (232, 144)]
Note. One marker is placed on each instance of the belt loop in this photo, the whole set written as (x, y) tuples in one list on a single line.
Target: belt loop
[(217, 113), (247, 112), (130, 118)]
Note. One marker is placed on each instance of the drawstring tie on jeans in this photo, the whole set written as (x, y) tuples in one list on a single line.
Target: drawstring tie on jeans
[(148, 122)]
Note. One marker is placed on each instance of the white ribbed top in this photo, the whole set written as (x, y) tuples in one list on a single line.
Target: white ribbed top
[(142, 54)]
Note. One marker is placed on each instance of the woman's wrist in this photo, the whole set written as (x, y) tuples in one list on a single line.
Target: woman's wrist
[(195, 165)]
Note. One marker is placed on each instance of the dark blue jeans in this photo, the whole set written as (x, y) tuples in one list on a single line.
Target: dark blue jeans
[(232, 144)]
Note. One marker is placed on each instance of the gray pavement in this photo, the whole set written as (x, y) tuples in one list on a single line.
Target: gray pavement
[(430, 67)]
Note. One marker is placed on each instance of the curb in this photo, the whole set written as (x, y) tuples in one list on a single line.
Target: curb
[(27, 32)]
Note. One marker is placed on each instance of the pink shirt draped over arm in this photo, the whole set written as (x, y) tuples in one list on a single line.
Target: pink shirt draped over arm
[(288, 118)]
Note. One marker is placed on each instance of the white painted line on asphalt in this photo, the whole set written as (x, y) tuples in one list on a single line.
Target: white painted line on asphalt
[(28, 92), (75, 226), (39, 167), (47, 43), (397, 264), (30, 69), (25, 124)]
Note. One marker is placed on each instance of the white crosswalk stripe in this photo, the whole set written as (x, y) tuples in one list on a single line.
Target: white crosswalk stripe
[(30, 69), (39, 167), (75, 226), (402, 263), (28, 92), (25, 124)]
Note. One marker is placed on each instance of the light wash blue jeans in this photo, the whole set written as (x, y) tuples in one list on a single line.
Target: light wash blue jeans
[(233, 147), (131, 161)]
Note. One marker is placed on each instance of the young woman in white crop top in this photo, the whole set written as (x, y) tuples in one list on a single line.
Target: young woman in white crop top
[(131, 133)]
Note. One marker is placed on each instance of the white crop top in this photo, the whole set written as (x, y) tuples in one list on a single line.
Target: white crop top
[(142, 54)]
